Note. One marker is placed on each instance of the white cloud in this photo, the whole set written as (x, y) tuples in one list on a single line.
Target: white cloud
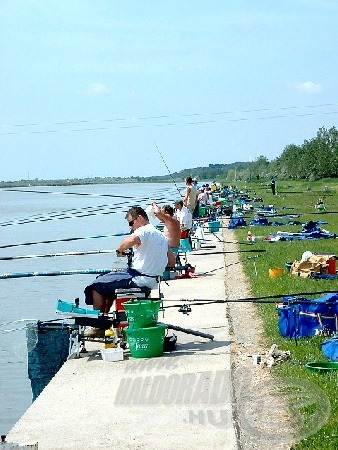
[(97, 88), (310, 87), (94, 89)]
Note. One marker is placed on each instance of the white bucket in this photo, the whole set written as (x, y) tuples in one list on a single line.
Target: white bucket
[(112, 354), (256, 360)]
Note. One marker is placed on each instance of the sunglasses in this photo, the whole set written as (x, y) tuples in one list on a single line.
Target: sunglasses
[(131, 223)]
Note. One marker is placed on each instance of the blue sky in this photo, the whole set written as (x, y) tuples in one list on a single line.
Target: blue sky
[(89, 86)]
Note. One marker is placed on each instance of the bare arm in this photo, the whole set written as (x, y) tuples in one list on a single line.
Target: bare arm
[(128, 242), (158, 212)]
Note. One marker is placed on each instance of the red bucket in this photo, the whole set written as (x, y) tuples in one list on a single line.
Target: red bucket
[(121, 312), (332, 267)]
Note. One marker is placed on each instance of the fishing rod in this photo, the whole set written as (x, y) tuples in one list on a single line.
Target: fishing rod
[(47, 219), (263, 299), (95, 252), (323, 212), (228, 265), (179, 192), (226, 252), (75, 210), (64, 240), (50, 255), (229, 242), (83, 212), (4, 276), (76, 213), (76, 193)]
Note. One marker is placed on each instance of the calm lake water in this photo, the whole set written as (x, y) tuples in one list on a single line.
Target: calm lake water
[(54, 213)]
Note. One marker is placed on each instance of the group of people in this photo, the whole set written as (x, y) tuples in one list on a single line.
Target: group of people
[(149, 250), (196, 197)]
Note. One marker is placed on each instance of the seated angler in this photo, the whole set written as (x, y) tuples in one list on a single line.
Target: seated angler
[(184, 216), (151, 254)]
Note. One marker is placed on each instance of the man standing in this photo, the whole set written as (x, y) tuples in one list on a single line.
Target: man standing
[(273, 186), (190, 198)]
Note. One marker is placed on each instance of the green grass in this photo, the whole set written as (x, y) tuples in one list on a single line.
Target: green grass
[(301, 197)]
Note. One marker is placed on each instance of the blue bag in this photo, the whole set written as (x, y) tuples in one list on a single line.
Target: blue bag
[(300, 317), (330, 348), (235, 222)]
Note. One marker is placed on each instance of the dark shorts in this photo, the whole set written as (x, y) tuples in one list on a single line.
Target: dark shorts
[(107, 284)]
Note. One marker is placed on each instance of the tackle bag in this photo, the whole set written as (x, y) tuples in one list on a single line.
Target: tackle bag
[(330, 348), (313, 264), (236, 221), (300, 317)]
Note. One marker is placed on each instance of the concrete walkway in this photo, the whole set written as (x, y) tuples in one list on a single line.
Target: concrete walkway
[(182, 400)]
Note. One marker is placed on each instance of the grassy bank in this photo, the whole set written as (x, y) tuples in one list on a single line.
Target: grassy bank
[(296, 198)]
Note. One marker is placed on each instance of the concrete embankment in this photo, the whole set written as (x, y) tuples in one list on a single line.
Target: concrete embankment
[(180, 400)]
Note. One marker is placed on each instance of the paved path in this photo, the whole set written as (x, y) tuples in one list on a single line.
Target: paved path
[(181, 400)]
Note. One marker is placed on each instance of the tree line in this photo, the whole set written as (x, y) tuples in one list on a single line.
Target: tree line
[(314, 159)]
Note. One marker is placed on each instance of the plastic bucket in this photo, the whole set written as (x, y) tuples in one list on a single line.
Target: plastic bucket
[(201, 211), (321, 366), (214, 226), (185, 245), (331, 267), (142, 313), (288, 265), (146, 342), (275, 272)]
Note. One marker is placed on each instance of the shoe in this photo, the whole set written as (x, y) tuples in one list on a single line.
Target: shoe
[(92, 332)]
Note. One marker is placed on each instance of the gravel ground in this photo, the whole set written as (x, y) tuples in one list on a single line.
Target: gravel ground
[(262, 416)]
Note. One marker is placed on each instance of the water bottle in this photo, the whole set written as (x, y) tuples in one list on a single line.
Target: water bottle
[(109, 338)]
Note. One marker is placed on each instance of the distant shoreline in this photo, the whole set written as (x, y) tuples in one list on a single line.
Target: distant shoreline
[(83, 181)]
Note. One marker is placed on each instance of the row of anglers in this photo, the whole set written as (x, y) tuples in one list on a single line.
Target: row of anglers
[(149, 250)]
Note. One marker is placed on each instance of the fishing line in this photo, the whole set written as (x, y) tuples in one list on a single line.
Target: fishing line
[(168, 124), (65, 240), (167, 168)]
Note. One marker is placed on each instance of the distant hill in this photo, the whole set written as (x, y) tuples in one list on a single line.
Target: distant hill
[(212, 172)]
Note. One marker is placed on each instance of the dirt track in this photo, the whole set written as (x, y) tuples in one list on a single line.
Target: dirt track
[(261, 416)]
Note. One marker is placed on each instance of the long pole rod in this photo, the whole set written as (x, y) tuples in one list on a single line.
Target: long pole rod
[(224, 253), (263, 299), (4, 276), (50, 255), (167, 168), (63, 240)]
